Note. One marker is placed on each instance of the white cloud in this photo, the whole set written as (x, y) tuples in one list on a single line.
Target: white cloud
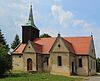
[(63, 17), (66, 18), (86, 26)]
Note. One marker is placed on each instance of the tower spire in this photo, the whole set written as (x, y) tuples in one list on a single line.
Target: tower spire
[(30, 19), (31, 15), (29, 30)]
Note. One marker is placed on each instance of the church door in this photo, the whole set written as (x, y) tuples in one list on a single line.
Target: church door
[(29, 64)]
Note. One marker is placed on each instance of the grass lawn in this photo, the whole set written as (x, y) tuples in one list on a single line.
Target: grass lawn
[(37, 77)]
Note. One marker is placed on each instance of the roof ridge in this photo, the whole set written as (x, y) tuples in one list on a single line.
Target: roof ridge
[(67, 42), (17, 47), (66, 37)]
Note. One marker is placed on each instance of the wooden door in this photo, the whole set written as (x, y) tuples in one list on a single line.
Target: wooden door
[(29, 64)]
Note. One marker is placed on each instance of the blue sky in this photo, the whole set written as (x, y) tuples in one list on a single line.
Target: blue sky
[(68, 17)]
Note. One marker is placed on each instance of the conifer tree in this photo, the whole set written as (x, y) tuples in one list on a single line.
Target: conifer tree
[(5, 58), (44, 35), (16, 42), (2, 40)]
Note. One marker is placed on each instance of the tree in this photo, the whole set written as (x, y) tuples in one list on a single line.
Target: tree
[(5, 58), (98, 64), (3, 41), (44, 35), (16, 42)]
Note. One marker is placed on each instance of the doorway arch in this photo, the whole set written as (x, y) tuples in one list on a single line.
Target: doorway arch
[(29, 64)]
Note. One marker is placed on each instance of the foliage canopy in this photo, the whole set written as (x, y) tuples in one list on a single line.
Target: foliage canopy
[(16, 42), (45, 35), (5, 58)]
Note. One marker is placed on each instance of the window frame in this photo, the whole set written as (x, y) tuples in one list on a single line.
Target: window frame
[(80, 62), (47, 60), (59, 60)]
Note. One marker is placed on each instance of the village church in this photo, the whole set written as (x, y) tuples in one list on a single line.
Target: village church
[(55, 55)]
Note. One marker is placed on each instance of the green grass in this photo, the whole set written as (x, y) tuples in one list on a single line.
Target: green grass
[(38, 77)]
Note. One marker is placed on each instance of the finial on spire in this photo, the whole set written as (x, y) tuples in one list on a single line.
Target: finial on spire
[(58, 34), (91, 34), (31, 6)]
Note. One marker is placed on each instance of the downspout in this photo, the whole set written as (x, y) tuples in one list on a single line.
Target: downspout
[(37, 61), (69, 64), (88, 65)]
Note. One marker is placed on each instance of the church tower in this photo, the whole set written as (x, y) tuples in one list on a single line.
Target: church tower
[(29, 30)]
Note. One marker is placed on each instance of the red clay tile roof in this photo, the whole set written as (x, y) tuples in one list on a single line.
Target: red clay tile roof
[(69, 46), (46, 44), (77, 45), (37, 47), (80, 44), (19, 49)]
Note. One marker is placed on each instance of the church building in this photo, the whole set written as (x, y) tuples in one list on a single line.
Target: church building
[(56, 55)]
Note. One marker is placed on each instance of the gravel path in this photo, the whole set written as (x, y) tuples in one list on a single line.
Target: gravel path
[(93, 78)]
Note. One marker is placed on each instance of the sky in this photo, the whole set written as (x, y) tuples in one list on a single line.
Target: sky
[(67, 17)]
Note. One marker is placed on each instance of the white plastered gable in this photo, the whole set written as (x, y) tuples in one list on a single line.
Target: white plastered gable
[(29, 48), (59, 46)]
